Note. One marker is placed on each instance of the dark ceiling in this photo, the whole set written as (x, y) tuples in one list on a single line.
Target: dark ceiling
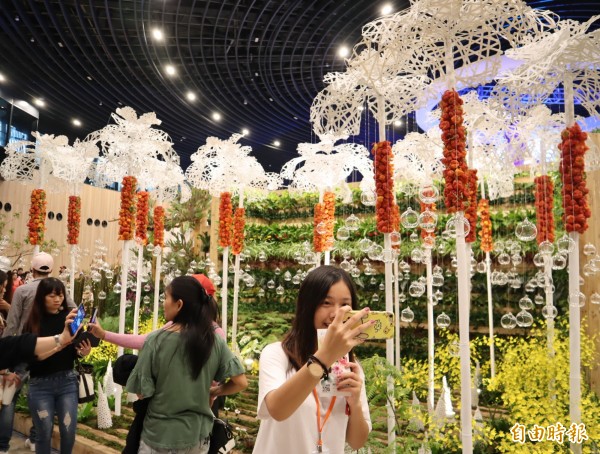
[(259, 63)]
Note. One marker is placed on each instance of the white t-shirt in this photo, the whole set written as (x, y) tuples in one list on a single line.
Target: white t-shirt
[(298, 434)]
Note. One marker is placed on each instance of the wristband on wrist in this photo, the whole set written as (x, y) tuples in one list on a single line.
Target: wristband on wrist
[(312, 359)]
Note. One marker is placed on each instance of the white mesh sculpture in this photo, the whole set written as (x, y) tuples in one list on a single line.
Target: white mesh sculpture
[(417, 157)]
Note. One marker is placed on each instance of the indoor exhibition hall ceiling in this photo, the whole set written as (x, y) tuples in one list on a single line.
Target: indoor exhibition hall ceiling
[(258, 63)]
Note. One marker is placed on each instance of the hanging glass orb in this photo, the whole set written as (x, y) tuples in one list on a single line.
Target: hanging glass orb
[(375, 252), (454, 262), (442, 321), (261, 293), (413, 237), (589, 249), (407, 315), (402, 297), (262, 256), (546, 248), (595, 298), (287, 276), (375, 298), (565, 244), (364, 245), (181, 253), (416, 289), (150, 247), (539, 300), (189, 272), (280, 290), (417, 255), (96, 276), (147, 288), (454, 222), (438, 295), (409, 219), (343, 233), (117, 288), (128, 303), (102, 295), (524, 319), (277, 271), (373, 281), (525, 303), (516, 259), (368, 198), (549, 312), (109, 274), (481, 267), (395, 239), (428, 220), (382, 286), (428, 194), (296, 280), (345, 265), (429, 242), (504, 259), (250, 281), (559, 262), (576, 299), (355, 272), (508, 321), (177, 272), (538, 260), (526, 230), (271, 284), (146, 300), (352, 223), (588, 270)]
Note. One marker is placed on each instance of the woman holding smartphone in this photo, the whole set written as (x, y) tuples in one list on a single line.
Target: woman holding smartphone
[(293, 416), (53, 388)]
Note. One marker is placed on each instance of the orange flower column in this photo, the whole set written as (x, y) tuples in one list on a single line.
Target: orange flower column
[(485, 233), (319, 220), (37, 217), (544, 205), (385, 206), (239, 222), (141, 218), (225, 219), (471, 211), (73, 219), (127, 212), (159, 226)]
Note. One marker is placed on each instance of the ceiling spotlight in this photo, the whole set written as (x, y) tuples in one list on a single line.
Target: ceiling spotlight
[(39, 102), (245, 132), (216, 116), (76, 122), (343, 51), (387, 9), (276, 143), (191, 96), (2, 78), (398, 123), (170, 69), (157, 34)]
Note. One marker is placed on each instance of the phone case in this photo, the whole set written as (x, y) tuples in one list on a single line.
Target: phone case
[(328, 387), (383, 327)]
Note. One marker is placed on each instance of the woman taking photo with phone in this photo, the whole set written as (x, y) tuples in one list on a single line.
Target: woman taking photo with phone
[(53, 388), (294, 418)]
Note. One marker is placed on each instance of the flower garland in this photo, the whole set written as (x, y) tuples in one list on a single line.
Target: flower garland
[(544, 204), (485, 233), (37, 217), (329, 212), (425, 235), (574, 191), (73, 219), (159, 226), (141, 217), (384, 186), (471, 211), (454, 139), (239, 221), (127, 212), (225, 219), (320, 218)]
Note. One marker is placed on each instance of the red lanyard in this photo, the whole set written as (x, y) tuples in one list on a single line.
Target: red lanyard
[(327, 414)]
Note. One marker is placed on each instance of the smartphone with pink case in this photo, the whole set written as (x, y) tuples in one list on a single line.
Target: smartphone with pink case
[(328, 387)]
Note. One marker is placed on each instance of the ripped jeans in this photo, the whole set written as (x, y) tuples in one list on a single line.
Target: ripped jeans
[(55, 394)]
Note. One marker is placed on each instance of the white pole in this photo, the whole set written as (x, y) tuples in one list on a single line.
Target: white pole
[(123, 300), (327, 258), (72, 274), (236, 289), (574, 310), (488, 278), (225, 284), (396, 316), (156, 291), (138, 291), (547, 268), (463, 322), (430, 332)]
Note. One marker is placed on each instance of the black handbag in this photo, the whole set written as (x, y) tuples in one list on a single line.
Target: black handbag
[(85, 379), (221, 437)]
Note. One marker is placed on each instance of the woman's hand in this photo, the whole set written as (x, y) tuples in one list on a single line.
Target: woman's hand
[(342, 337), (84, 348), (65, 337), (352, 383), (97, 330)]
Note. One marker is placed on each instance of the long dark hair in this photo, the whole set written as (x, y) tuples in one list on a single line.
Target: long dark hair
[(38, 309), (195, 318), (301, 341)]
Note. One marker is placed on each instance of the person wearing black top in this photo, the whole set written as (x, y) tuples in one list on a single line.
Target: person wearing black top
[(53, 388)]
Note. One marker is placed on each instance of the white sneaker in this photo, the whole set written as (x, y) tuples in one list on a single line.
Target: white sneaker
[(30, 445)]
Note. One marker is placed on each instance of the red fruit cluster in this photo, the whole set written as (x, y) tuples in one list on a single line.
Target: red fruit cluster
[(384, 186), (574, 191), (159, 226), (329, 207), (37, 217), (454, 139), (141, 218), (73, 219), (485, 233), (544, 204), (471, 211), (127, 212), (320, 218), (225, 219), (239, 221)]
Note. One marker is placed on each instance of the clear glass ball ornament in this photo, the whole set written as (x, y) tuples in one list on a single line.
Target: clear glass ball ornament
[(250, 281), (395, 239), (516, 259), (417, 255), (296, 280), (280, 290), (438, 295), (96, 276), (409, 219), (375, 298), (147, 288), (539, 300), (345, 265), (146, 300), (321, 228), (437, 280), (109, 274), (442, 320), (402, 297), (373, 281), (524, 319), (576, 299), (454, 349), (429, 242), (355, 272), (588, 270), (261, 293), (150, 247), (428, 194), (525, 303), (428, 220), (277, 271), (177, 272), (117, 288), (508, 321), (549, 312), (375, 252), (595, 298), (407, 315), (287, 276), (101, 295), (262, 256), (190, 271), (352, 223), (413, 237), (565, 244), (364, 245), (453, 224), (481, 267), (181, 253), (346, 254), (559, 262), (454, 262), (271, 284), (382, 286), (416, 289), (504, 259), (343, 234), (546, 248), (128, 303), (526, 230), (538, 259), (589, 249), (368, 198)]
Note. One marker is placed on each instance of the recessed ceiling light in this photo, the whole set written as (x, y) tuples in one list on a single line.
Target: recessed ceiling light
[(191, 96), (157, 34), (76, 122), (245, 131), (255, 40), (2, 78), (398, 123), (39, 102), (343, 51), (170, 69), (60, 44), (216, 116), (386, 9), (277, 143), (89, 77)]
